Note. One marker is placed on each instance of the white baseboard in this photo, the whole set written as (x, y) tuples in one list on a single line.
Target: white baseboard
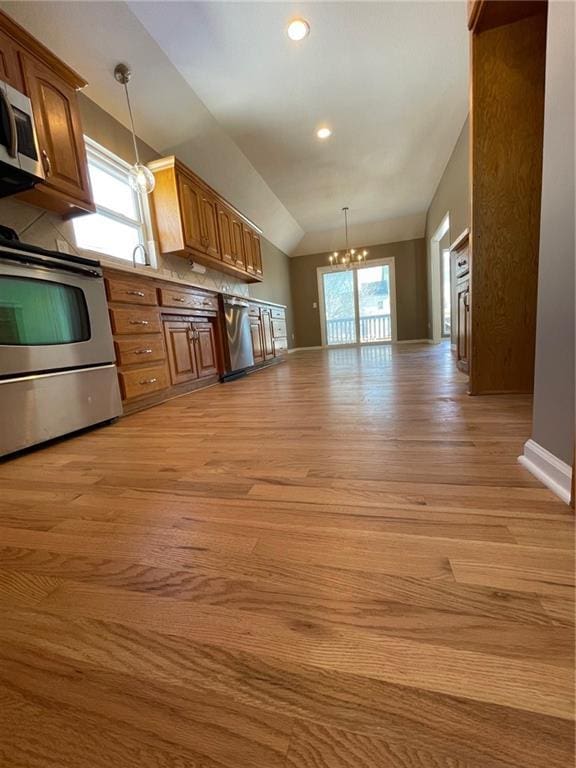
[(549, 469)]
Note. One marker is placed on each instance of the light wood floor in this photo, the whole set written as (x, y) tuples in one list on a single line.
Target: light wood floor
[(334, 563)]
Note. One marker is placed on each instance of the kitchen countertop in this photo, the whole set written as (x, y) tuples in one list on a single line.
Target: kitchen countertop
[(152, 273)]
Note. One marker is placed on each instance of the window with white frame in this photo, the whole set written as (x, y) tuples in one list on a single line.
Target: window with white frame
[(122, 220)]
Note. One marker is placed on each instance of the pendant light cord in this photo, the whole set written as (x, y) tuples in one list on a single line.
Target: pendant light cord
[(136, 153)]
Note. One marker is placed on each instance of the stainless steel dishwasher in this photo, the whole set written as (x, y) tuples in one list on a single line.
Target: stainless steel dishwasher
[(238, 337)]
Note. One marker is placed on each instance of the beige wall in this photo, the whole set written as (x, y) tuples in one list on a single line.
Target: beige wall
[(411, 304), (42, 228), (276, 283), (452, 196), (554, 393)]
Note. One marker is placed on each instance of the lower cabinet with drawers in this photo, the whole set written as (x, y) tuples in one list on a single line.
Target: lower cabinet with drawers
[(168, 336), (268, 331)]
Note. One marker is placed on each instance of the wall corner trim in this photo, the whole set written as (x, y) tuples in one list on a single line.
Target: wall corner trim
[(549, 469)]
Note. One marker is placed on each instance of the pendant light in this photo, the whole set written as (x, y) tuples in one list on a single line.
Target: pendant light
[(350, 258), (141, 177)]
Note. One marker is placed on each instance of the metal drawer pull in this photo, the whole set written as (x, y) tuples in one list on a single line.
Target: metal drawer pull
[(143, 351), (462, 262), (148, 381), (139, 322), (136, 293), (178, 298)]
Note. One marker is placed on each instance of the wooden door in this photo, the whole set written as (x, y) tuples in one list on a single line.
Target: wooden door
[(257, 340), (267, 333), (191, 212), (60, 137), (210, 226), (256, 254), (10, 70), (238, 243), (205, 349), (248, 249), (463, 325), (180, 349), (226, 234)]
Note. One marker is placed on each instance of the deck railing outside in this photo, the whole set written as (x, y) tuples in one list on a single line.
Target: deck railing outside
[(372, 328)]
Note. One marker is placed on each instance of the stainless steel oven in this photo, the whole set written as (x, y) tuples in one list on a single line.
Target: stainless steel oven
[(57, 371), (20, 164)]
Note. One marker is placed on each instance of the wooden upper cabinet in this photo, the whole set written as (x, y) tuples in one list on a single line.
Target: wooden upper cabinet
[(248, 249), (190, 195), (210, 225), (60, 137), (52, 87), (194, 222), (256, 254), (225, 229), (10, 70)]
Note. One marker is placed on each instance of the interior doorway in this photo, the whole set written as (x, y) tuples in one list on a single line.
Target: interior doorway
[(438, 241), (358, 306)]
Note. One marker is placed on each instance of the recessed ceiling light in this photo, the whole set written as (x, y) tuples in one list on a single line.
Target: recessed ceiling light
[(298, 29), (323, 133)]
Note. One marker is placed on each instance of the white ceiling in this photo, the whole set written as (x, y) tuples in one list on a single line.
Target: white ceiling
[(390, 79), (221, 84)]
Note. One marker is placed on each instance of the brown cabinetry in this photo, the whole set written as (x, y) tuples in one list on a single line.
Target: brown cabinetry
[(460, 255), (508, 62), (191, 347), (194, 222), (268, 330), (52, 88)]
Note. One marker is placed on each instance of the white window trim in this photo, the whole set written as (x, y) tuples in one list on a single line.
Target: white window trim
[(112, 164)]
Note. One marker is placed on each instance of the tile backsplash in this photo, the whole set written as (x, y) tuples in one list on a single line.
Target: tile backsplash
[(43, 229)]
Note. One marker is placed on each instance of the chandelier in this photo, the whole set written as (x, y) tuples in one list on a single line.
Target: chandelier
[(350, 258)]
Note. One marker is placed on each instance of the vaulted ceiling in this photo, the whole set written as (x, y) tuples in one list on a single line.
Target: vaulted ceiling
[(222, 85)]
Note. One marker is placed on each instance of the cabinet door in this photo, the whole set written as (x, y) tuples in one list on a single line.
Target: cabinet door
[(60, 137), (257, 341), (226, 234), (248, 249), (267, 334), (210, 226), (238, 243), (463, 329), (256, 254), (179, 346), (191, 213), (205, 349), (10, 70)]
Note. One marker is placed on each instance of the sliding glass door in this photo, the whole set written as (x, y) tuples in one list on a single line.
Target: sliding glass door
[(357, 306)]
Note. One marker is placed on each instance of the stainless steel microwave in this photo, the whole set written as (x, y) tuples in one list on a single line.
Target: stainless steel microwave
[(20, 163)]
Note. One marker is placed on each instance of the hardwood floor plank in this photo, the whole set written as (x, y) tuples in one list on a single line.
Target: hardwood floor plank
[(367, 577), (465, 728), (536, 687)]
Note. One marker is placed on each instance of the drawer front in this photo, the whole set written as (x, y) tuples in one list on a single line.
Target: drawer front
[(141, 351), (176, 298), (254, 310), (280, 346), (131, 321), (131, 291), (462, 263), (278, 313), (279, 329), (143, 381)]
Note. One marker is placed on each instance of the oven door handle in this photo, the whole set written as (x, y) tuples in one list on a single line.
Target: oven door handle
[(12, 147), (38, 261)]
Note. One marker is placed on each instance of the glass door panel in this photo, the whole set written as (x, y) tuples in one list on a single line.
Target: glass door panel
[(339, 307), (374, 304)]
